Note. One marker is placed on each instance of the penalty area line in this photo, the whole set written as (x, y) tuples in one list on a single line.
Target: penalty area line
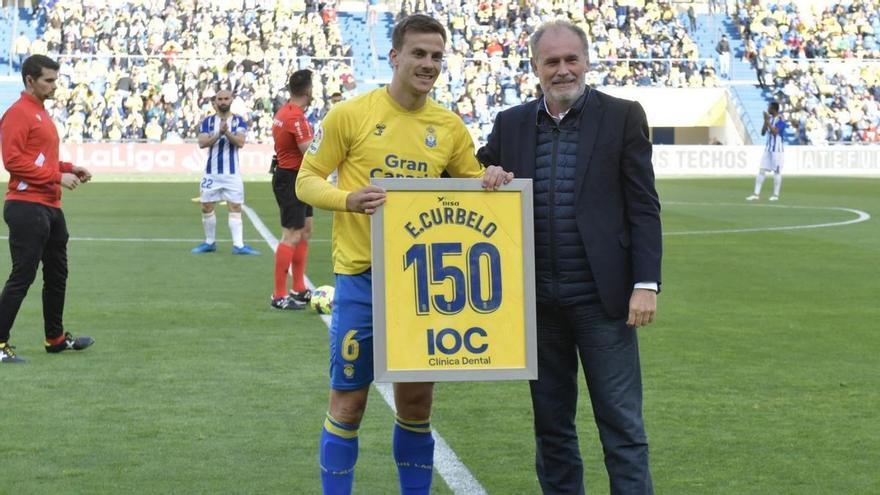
[(457, 476)]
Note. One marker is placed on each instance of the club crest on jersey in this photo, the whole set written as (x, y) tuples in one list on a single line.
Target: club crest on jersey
[(431, 138), (380, 128)]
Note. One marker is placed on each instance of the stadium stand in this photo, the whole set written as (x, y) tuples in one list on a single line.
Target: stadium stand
[(370, 41), (145, 70), (19, 27), (823, 64), (633, 43)]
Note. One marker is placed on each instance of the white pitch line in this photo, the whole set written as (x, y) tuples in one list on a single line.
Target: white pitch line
[(861, 216), (129, 239), (149, 239), (457, 476)]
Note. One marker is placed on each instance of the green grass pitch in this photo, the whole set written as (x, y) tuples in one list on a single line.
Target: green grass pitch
[(761, 373)]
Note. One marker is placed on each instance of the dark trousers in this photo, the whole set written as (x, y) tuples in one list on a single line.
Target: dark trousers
[(36, 233), (609, 352), (761, 82)]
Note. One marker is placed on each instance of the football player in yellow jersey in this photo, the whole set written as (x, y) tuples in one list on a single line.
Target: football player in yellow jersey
[(389, 132)]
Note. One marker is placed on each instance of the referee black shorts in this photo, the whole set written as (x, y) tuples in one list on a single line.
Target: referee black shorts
[(293, 211)]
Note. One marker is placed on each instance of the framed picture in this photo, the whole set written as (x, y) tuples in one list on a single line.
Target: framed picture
[(453, 282)]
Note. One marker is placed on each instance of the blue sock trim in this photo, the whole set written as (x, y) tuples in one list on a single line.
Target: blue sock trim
[(417, 426)]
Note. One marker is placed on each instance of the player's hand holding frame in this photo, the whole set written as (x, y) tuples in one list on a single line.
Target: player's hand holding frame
[(365, 200)]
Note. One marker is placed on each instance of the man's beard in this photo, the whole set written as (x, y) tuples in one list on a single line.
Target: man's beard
[(567, 97), (223, 108)]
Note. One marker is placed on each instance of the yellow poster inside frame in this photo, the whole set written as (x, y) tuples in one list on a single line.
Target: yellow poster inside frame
[(456, 283)]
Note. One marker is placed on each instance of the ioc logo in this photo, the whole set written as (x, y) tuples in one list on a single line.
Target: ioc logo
[(449, 341)]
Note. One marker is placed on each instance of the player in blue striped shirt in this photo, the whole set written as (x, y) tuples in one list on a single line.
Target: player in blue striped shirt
[(223, 134), (773, 157)]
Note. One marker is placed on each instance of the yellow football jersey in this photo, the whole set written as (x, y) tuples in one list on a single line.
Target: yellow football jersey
[(372, 136)]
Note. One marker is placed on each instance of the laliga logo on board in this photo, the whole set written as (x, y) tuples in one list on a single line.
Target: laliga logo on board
[(195, 161), (119, 157)]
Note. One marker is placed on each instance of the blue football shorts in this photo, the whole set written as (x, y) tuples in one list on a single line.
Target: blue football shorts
[(351, 332)]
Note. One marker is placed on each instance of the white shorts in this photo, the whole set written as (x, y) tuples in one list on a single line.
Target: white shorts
[(217, 187), (772, 162)]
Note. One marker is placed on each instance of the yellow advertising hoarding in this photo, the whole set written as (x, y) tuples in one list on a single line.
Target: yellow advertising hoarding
[(453, 281)]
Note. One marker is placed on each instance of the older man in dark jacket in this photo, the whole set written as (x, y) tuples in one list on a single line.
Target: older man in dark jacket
[(597, 250)]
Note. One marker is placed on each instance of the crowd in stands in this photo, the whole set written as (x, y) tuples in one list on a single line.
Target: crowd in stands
[(146, 70), (487, 63), (823, 63)]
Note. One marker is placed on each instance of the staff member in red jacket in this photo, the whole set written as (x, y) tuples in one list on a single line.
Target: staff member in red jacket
[(37, 229)]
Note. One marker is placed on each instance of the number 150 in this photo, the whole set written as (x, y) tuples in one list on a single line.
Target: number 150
[(465, 289)]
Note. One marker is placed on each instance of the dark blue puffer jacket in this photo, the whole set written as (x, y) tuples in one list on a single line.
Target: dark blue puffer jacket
[(562, 269)]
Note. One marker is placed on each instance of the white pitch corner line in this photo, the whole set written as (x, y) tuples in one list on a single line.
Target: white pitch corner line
[(457, 476), (861, 216)]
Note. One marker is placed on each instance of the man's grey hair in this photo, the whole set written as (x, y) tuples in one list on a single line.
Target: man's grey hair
[(559, 23)]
